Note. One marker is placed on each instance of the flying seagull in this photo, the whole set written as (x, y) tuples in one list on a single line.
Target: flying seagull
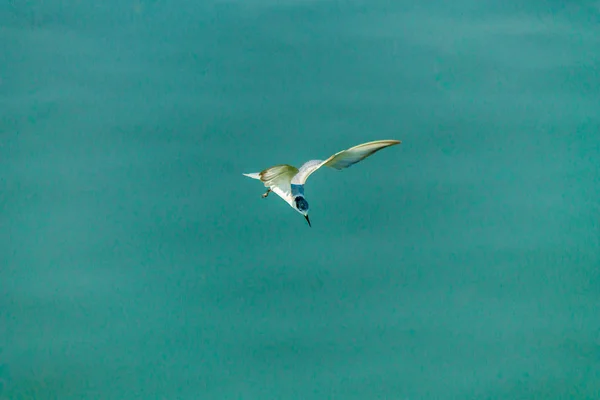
[(288, 181)]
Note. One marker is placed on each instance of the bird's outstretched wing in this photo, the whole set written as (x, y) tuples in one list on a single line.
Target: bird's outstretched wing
[(278, 179), (342, 159)]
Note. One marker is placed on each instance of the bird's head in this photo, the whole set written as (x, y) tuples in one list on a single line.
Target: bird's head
[(301, 205)]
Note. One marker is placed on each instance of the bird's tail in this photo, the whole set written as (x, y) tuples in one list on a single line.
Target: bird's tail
[(254, 175)]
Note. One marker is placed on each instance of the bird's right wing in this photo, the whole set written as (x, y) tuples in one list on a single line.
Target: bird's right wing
[(277, 179), (342, 159)]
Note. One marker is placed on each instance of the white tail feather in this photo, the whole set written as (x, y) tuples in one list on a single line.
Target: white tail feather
[(254, 175)]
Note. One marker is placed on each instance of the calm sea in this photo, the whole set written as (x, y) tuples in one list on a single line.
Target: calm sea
[(136, 262)]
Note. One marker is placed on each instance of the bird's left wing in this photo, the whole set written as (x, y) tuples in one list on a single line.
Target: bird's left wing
[(277, 179), (342, 159)]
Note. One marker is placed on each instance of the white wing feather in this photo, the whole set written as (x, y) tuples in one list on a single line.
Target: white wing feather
[(278, 179), (342, 159)]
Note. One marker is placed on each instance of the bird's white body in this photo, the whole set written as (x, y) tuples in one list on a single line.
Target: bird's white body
[(288, 182)]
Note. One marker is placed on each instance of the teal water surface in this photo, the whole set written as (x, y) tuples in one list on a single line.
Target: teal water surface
[(136, 262)]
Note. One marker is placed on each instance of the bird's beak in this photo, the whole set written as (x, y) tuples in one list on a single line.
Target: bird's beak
[(307, 220)]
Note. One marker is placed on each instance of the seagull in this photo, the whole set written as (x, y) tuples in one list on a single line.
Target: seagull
[(288, 181)]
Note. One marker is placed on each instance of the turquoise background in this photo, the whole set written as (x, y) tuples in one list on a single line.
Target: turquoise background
[(136, 262)]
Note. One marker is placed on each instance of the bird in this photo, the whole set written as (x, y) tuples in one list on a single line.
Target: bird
[(288, 181)]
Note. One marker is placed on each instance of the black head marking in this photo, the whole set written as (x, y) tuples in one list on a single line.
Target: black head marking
[(301, 203)]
